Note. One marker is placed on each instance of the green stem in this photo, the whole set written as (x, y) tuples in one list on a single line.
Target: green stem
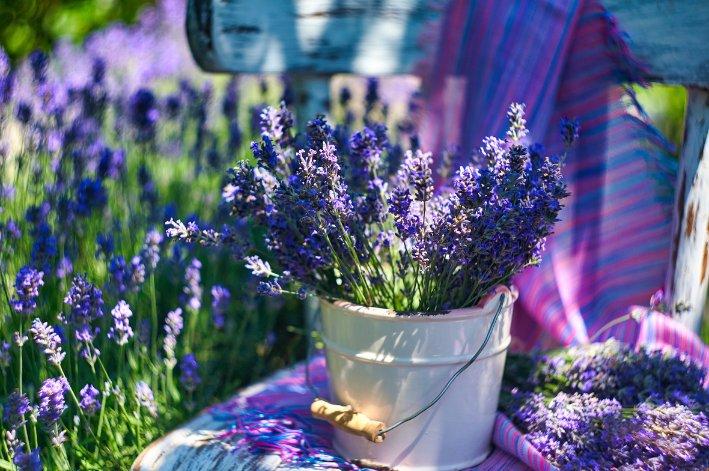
[(100, 421), (153, 305), (71, 391), (34, 435), (609, 325), (24, 427), (61, 448), (355, 261)]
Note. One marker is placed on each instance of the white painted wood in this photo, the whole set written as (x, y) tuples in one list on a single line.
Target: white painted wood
[(670, 36), (368, 37), (384, 37), (688, 273)]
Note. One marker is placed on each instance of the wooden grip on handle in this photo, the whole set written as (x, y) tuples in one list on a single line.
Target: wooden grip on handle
[(348, 420)]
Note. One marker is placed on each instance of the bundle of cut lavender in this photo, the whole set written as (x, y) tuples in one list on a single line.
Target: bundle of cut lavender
[(345, 219)]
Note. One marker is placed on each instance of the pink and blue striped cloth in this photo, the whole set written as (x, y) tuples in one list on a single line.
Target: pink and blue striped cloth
[(564, 58), (512, 452)]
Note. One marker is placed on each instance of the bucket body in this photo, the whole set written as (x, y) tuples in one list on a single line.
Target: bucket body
[(388, 366)]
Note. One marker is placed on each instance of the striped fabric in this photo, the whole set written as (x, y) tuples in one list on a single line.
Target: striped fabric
[(563, 58), (289, 393)]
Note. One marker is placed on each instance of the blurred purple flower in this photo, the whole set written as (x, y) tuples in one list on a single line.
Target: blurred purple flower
[(17, 406), (190, 378), (269, 288), (221, 298), (151, 249), (89, 405), (144, 114), (27, 284), (193, 289), (51, 400), (28, 461), (64, 268), (121, 331), (84, 300), (45, 337), (105, 245), (145, 398)]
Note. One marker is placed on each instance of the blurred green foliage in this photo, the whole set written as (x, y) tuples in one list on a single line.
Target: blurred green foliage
[(665, 105), (29, 24)]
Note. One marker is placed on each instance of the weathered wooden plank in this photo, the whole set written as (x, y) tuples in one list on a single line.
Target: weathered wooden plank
[(688, 273), (192, 446), (670, 36), (383, 37), (368, 37)]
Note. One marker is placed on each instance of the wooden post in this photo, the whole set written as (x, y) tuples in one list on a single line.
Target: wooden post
[(312, 96), (687, 273)]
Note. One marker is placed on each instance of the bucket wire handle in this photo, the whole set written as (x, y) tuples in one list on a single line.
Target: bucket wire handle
[(379, 434)]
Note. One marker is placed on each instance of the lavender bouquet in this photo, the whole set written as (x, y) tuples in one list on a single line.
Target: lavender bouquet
[(346, 219), (606, 406)]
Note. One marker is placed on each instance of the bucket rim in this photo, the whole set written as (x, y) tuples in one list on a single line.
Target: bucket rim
[(486, 307)]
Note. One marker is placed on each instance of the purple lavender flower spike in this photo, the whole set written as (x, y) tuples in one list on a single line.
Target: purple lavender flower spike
[(345, 96), (144, 114), (86, 335), (269, 288), (28, 461), (266, 154), (657, 301), (372, 95), (84, 300), (276, 124), (193, 289), (20, 339), (5, 356), (51, 400), (125, 278), (7, 79), (45, 337), (258, 267), (569, 131), (221, 299), (17, 406), (189, 378), (105, 245), (39, 62), (417, 168), (89, 405), (64, 267), (151, 249), (44, 248), (144, 397), (27, 284), (121, 331), (7, 190), (14, 445), (23, 113), (137, 274), (517, 122), (173, 326), (90, 195)]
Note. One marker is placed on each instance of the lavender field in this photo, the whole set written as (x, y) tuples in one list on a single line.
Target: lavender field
[(110, 335)]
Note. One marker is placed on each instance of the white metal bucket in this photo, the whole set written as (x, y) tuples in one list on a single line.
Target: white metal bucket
[(388, 366)]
